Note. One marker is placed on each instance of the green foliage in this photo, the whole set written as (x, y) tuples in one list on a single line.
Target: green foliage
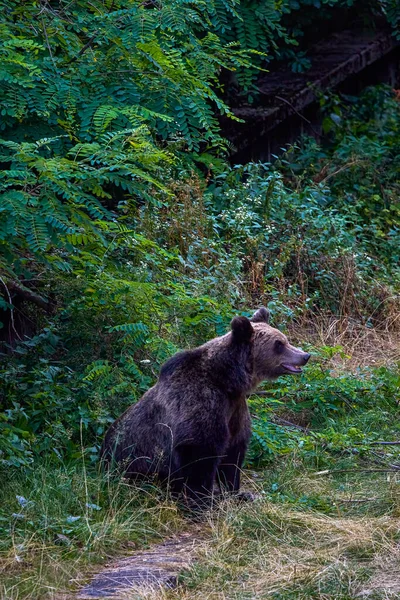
[(316, 228), (336, 407), (60, 389), (392, 10), (87, 138), (81, 114), (364, 191), (124, 237), (56, 520), (173, 270)]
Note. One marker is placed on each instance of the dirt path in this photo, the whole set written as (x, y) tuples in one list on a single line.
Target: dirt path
[(158, 566)]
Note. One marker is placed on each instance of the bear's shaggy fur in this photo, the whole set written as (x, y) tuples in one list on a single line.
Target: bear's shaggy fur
[(193, 427)]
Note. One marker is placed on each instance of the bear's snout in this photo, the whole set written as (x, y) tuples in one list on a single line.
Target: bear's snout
[(293, 360)]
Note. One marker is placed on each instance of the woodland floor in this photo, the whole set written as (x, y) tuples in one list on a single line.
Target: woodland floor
[(338, 540), (345, 549), (329, 533)]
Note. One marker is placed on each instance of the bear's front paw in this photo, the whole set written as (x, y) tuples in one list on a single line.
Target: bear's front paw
[(245, 497)]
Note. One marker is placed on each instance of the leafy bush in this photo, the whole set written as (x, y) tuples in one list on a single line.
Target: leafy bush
[(338, 412), (82, 115), (125, 236), (170, 275)]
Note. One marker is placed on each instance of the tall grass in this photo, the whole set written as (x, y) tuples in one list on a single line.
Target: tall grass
[(56, 520)]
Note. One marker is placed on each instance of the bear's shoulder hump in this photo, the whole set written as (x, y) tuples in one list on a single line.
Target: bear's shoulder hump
[(182, 361)]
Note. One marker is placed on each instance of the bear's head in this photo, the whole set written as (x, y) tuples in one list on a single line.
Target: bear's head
[(272, 354)]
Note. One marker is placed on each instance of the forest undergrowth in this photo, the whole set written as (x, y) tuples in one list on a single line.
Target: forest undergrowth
[(126, 235), (323, 256)]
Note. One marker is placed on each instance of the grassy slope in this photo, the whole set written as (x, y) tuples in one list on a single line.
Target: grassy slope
[(71, 520), (308, 535), (317, 537)]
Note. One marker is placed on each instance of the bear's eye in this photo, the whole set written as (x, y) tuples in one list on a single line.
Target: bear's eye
[(279, 346)]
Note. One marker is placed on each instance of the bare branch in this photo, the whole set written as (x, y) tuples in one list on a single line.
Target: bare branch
[(27, 295)]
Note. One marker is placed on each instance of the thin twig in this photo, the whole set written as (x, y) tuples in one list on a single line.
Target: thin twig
[(384, 443), (279, 420), (379, 461), (83, 49), (358, 500), (343, 168), (299, 114), (48, 45), (334, 471), (11, 308)]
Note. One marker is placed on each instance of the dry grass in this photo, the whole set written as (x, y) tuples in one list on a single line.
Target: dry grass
[(264, 550), (362, 346), (274, 551), (385, 581), (267, 551), (45, 555)]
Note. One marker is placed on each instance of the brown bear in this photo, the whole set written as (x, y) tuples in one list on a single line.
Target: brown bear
[(192, 428)]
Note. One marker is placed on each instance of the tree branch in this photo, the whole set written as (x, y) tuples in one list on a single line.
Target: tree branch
[(29, 295)]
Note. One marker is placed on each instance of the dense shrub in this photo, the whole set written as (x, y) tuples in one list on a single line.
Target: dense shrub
[(295, 236), (123, 233)]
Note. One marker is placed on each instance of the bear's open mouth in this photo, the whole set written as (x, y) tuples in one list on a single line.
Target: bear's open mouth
[(292, 368)]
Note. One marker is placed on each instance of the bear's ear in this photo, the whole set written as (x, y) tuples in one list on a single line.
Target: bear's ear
[(260, 316), (242, 330)]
